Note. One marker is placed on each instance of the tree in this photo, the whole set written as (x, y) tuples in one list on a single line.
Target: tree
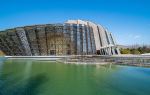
[(125, 51), (135, 51)]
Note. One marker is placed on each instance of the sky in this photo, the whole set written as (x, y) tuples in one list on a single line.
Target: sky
[(128, 20)]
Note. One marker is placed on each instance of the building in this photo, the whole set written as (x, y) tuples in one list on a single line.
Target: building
[(74, 37)]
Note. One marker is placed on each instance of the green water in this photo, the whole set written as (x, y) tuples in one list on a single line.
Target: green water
[(29, 77)]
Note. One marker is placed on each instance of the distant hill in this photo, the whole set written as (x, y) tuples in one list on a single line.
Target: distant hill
[(133, 46)]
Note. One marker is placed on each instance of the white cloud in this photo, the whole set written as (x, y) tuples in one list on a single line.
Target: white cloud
[(137, 37), (131, 36)]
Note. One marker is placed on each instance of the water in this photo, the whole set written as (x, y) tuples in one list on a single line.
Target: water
[(30, 77)]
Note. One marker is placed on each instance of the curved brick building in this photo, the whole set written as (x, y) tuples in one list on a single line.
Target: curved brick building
[(74, 37)]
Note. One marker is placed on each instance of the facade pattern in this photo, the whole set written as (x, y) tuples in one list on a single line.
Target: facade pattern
[(74, 37)]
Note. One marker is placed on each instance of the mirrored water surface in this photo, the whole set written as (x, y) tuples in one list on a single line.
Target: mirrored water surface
[(32, 77)]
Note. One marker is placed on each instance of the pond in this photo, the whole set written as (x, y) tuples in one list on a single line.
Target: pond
[(33, 77)]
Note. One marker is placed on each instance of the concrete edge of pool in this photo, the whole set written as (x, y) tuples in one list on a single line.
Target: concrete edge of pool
[(137, 60)]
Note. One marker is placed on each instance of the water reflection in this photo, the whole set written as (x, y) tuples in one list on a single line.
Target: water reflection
[(2, 60), (31, 87), (28, 68), (30, 77)]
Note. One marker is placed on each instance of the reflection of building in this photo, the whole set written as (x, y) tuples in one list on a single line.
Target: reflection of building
[(74, 37)]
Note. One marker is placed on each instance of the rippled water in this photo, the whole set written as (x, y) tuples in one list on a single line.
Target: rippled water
[(30, 77)]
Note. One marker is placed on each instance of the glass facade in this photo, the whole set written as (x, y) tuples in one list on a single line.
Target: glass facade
[(57, 39), (50, 39), (32, 40)]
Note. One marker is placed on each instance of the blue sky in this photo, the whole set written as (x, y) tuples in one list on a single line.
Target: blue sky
[(128, 20)]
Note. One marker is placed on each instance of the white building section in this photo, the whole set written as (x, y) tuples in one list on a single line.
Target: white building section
[(104, 41)]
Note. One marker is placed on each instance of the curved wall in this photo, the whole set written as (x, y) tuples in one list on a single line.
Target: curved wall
[(52, 39), (104, 41), (74, 37)]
